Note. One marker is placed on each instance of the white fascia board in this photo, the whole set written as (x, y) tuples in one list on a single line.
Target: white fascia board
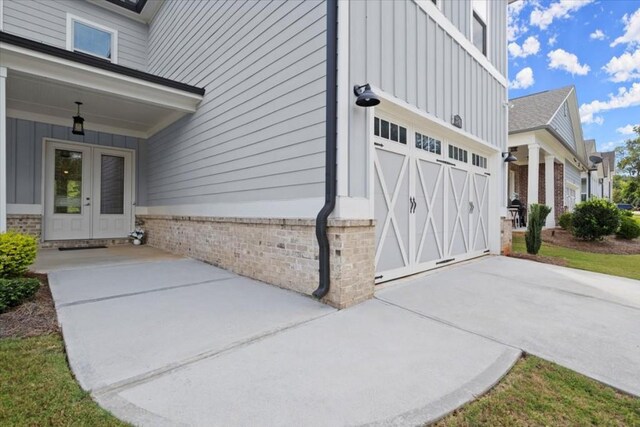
[(446, 129), (295, 208), (437, 15), (76, 74)]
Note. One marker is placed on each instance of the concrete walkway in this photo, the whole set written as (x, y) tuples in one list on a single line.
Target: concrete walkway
[(179, 342)]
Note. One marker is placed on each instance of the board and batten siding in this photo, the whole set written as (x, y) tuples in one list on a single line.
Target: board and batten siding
[(460, 13), (24, 157), (563, 124), (398, 47), (45, 21), (259, 132), (572, 174)]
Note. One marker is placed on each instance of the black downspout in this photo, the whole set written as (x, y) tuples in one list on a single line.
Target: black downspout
[(589, 184), (331, 147)]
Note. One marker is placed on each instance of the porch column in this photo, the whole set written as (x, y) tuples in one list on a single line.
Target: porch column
[(534, 174), (549, 189), (3, 149)]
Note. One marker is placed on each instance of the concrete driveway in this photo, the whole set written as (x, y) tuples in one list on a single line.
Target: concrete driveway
[(585, 321), (179, 342)]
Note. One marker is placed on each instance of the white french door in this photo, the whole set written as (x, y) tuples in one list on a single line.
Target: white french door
[(429, 209), (88, 191)]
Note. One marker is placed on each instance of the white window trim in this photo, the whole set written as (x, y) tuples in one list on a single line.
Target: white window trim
[(485, 21), (114, 36)]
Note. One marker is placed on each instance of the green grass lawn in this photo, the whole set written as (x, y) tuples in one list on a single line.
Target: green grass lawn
[(38, 389), (540, 393), (617, 265)]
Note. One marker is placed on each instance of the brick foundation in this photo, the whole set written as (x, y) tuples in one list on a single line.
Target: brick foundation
[(282, 252), (25, 224), (506, 236)]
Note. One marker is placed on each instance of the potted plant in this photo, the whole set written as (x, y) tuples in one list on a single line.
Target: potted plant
[(137, 235)]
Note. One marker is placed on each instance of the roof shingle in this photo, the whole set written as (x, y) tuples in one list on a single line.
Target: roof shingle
[(535, 110)]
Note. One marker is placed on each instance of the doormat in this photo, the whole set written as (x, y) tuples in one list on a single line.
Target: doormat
[(81, 248)]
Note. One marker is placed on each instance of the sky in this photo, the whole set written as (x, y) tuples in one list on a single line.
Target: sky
[(592, 44)]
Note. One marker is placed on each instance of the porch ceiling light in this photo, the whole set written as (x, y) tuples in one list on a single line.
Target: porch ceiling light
[(78, 122), (366, 97), (509, 157)]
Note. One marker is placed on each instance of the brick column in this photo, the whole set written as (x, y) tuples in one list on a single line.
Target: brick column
[(549, 181), (534, 168)]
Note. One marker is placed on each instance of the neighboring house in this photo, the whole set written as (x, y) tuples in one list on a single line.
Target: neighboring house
[(597, 181), (211, 123), (609, 171), (545, 136)]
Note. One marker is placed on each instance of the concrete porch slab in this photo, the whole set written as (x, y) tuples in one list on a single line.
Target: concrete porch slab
[(53, 259), (585, 321)]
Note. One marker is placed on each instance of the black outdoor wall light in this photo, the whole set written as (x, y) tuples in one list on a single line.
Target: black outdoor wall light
[(366, 97), (78, 122), (509, 157)]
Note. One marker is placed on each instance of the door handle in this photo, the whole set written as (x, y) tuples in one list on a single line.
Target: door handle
[(87, 204), (412, 204), (471, 207)]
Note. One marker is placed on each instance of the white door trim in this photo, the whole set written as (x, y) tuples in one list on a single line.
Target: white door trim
[(46, 141)]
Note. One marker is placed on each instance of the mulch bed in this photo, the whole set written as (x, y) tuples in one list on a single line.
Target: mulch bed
[(610, 244), (539, 258), (34, 317)]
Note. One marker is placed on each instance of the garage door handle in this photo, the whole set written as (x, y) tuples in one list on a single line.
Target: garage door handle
[(412, 204), (471, 207)]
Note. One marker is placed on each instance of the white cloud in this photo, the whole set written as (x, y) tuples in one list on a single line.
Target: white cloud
[(597, 35), (523, 80), (531, 46), (515, 26), (561, 9), (626, 130), (624, 67), (623, 99), (609, 146), (563, 60), (552, 40), (631, 29)]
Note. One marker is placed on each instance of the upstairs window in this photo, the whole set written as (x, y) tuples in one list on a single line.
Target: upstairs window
[(479, 25), (479, 34), (91, 39)]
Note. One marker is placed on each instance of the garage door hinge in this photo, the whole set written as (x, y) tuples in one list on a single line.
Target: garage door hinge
[(487, 251), (444, 261), (445, 162), (487, 173), (377, 144), (378, 277)]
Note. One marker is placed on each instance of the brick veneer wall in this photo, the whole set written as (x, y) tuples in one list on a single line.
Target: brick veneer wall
[(26, 224), (506, 236), (559, 190), (283, 252), (522, 180)]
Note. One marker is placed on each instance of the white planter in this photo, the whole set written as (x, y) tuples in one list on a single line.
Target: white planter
[(137, 242)]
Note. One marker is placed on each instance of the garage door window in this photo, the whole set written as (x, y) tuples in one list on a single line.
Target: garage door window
[(479, 161), (429, 144), (391, 131), (458, 154)]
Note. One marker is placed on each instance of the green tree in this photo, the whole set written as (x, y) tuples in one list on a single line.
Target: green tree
[(627, 186)]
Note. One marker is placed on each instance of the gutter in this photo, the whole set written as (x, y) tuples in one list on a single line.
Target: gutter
[(331, 167)]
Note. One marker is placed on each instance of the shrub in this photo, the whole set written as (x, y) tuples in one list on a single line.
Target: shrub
[(14, 291), (564, 221), (533, 235), (17, 253), (594, 219), (629, 228)]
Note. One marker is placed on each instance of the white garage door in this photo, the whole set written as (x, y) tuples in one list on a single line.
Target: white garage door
[(430, 200)]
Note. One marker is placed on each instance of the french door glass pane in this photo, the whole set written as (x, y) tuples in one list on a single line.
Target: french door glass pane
[(111, 185), (68, 182)]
